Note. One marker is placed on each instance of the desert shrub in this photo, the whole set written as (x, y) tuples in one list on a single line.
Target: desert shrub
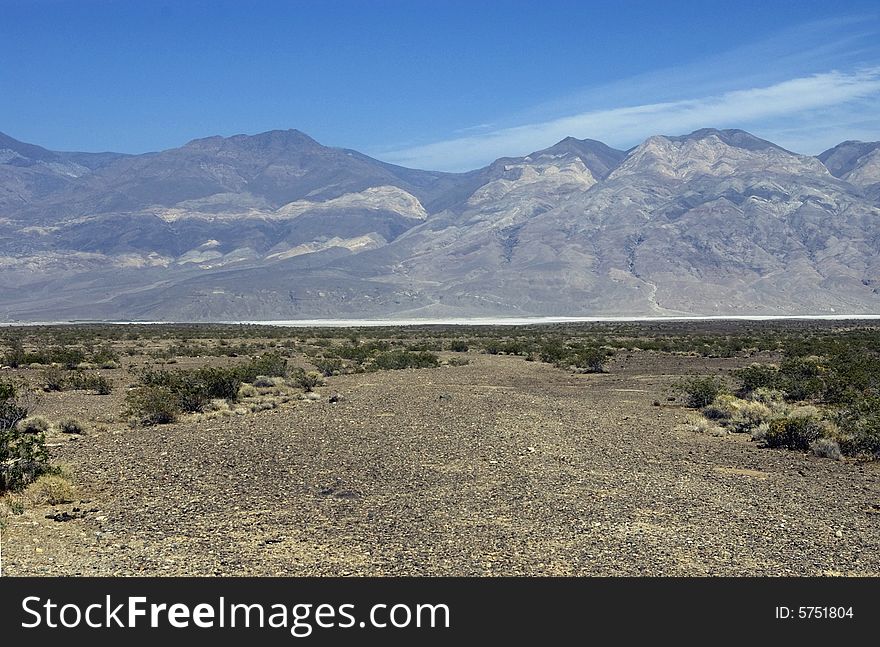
[(767, 396), (748, 416), (195, 388), (715, 411), (859, 425), (54, 379), (553, 351), (53, 489), (216, 382), (247, 391), (759, 433), (699, 392), (15, 356), (757, 376), (458, 346), (401, 359), (106, 357), (33, 425), (82, 381), (71, 426), (826, 448), (590, 360), (458, 361), (306, 381), (266, 382), (271, 365), (328, 366), (701, 425), (152, 405), (797, 432), (23, 456), (69, 358), (802, 379)]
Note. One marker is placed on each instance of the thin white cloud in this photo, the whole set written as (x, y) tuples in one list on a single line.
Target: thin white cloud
[(625, 126)]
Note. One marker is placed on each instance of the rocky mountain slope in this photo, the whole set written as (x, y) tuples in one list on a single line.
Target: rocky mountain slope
[(277, 226)]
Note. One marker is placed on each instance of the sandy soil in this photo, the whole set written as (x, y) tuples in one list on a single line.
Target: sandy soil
[(501, 467)]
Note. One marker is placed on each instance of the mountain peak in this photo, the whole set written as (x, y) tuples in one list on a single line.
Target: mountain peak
[(600, 158), (29, 151), (271, 139), (730, 136)]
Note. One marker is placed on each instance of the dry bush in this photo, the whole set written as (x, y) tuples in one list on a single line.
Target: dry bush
[(826, 448), (72, 426), (33, 425), (52, 489), (701, 425)]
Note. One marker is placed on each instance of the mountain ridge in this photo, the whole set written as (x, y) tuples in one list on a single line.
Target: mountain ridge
[(278, 226)]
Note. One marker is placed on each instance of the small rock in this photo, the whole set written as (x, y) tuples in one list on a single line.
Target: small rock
[(839, 533), (656, 403), (335, 397)]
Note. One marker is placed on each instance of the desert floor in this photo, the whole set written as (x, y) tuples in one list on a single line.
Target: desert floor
[(500, 467)]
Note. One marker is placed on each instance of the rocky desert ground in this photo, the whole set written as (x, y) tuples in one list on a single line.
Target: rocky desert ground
[(500, 466)]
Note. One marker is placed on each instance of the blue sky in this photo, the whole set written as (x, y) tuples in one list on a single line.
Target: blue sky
[(441, 84)]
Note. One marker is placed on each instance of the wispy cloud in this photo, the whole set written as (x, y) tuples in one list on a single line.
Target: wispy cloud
[(803, 99)]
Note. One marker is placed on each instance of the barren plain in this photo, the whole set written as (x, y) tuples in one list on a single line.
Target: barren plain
[(502, 466)]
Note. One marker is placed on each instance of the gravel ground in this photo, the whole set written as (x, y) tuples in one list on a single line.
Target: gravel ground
[(500, 467)]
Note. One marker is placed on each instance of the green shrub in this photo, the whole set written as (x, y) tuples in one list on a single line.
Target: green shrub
[(328, 366), (152, 405), (83, 381), (699, 392), (793, 433), (271, 365), (401, 359), (306, 381), (553, 351), (757, 376), (101, 385), (590, 360), (54, 379), (23, 455), (458, 346), (802, 379)]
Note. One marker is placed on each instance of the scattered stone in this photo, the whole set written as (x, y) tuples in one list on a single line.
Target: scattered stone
[(335, 397), (64, 516)]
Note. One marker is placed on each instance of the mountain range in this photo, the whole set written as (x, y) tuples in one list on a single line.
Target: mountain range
[(276, 226)]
